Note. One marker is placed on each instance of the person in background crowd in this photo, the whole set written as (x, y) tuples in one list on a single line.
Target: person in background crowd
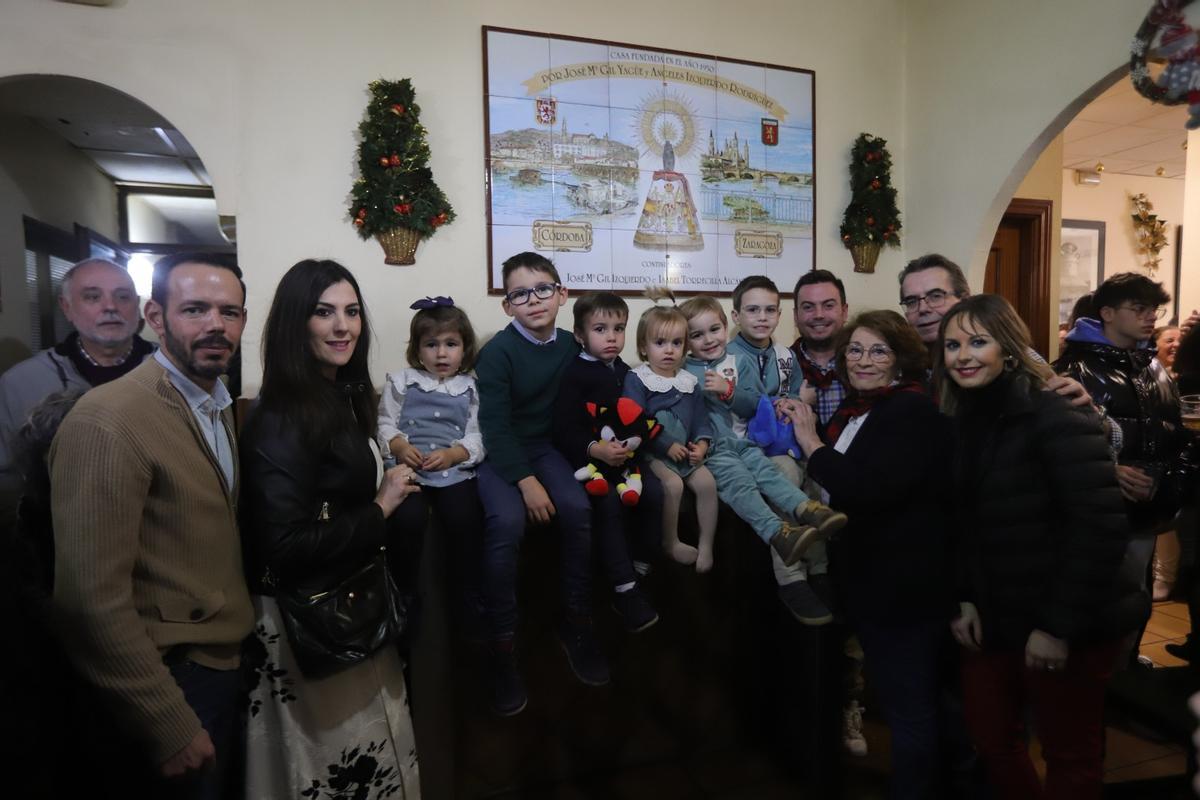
[(878, 464), (1187, 371), (149, 600), (1166, 546), (316, 509), (1166, 345), (1043, 611), (97, 297)]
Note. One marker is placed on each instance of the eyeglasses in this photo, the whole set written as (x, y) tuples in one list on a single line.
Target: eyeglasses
[(543, 291), (1140, 310), (935, 298), (877, 352)]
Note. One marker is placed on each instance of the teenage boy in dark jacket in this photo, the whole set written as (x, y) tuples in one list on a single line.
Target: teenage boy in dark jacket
[(1112, 358)]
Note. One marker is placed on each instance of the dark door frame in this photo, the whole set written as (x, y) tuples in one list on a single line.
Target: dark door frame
[(1036, 217)]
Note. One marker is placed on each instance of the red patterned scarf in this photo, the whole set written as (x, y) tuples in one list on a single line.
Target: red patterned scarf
[(860, 403), (812, 373)]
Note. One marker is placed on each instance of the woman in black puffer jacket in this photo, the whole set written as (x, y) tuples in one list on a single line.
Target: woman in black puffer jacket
[(1043, 531)]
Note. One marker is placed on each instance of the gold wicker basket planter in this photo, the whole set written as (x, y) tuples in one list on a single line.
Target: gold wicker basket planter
[(865, 256), (399, 246)]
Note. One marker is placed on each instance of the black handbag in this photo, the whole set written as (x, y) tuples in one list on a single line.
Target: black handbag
[(339, 627)]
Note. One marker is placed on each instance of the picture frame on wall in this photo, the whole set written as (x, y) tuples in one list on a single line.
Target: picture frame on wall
[(1082, 249), (631, 165)]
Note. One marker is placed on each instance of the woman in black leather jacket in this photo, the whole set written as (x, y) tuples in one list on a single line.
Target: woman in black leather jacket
[(1043, 604), (314, 504)]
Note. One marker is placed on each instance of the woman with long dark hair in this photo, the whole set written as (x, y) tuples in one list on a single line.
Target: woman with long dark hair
[(315, 505), (1042, 533)]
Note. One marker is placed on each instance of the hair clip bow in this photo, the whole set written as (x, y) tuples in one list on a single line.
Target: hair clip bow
[(427, 303)]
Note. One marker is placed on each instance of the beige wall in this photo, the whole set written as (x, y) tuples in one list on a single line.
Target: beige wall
[(1044, 182), (270, 93), (988, 85), (42, 177), (1189, 290), (1110, 203)]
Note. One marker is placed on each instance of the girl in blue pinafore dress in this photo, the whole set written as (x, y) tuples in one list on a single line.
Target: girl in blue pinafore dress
[(672, 396), (429, 420)]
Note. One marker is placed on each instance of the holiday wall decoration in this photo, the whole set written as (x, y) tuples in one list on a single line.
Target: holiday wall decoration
[(631, 165), (394, 197), (872, 219), (1149, 232), (1178, 43)]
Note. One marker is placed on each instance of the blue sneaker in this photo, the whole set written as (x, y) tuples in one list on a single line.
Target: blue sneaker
[(508, 690), (578, 640), (634, 609)]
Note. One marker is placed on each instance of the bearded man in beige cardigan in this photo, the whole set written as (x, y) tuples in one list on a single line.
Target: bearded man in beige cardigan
[(149, 598)]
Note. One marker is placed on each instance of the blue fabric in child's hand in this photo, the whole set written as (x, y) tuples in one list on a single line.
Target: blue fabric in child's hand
[(770, 433)]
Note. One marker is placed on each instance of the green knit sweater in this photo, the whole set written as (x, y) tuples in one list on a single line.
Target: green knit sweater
[(146, 551), (518, 381)]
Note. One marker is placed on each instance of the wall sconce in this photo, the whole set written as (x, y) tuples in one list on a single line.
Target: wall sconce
[(1086, 177)]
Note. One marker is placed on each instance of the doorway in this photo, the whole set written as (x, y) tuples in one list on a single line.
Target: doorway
[(88, 171), (1018, 265)]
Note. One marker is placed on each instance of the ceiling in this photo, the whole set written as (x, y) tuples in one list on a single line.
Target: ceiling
[(1128, 134), (127, 140)]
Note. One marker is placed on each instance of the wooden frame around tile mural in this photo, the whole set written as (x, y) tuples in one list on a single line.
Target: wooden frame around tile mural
[(631, 166)]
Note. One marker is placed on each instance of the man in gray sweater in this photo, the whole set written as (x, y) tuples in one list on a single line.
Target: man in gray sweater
[(98, 298)]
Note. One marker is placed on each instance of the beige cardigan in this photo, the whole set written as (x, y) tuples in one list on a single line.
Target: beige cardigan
[(146, 550)]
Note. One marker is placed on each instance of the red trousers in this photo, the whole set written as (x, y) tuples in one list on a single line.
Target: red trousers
[(1068, 716)]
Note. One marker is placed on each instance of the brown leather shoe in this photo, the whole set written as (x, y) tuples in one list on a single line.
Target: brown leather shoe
[(793, 541), (822, 517)]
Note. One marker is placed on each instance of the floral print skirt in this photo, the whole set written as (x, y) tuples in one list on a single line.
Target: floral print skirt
[(348, 735)]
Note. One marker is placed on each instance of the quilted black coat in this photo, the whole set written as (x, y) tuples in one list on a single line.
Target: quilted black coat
[(1042, 530)]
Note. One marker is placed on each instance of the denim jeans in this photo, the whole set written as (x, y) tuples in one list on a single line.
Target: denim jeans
[(213, 694), (504, 527), (902, 663), (619, 529)]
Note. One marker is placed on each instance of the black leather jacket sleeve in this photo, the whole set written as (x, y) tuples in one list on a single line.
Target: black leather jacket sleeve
[(308, 515)]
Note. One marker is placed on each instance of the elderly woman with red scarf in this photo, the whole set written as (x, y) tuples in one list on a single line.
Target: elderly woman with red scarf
[(882, 460)]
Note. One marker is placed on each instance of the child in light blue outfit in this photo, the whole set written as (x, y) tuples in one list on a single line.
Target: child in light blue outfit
[(746, 478)]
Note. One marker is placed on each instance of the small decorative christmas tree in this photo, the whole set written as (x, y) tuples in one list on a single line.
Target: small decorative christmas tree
[(394, 198), (872, 219)]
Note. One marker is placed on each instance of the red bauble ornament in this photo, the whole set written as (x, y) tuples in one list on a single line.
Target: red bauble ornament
[(362, 212), (875, 184), (358, 223), (395, 160), (871, 221), (891, 227), (402, 208), (397, 109), (383, 161), (846, 238)]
